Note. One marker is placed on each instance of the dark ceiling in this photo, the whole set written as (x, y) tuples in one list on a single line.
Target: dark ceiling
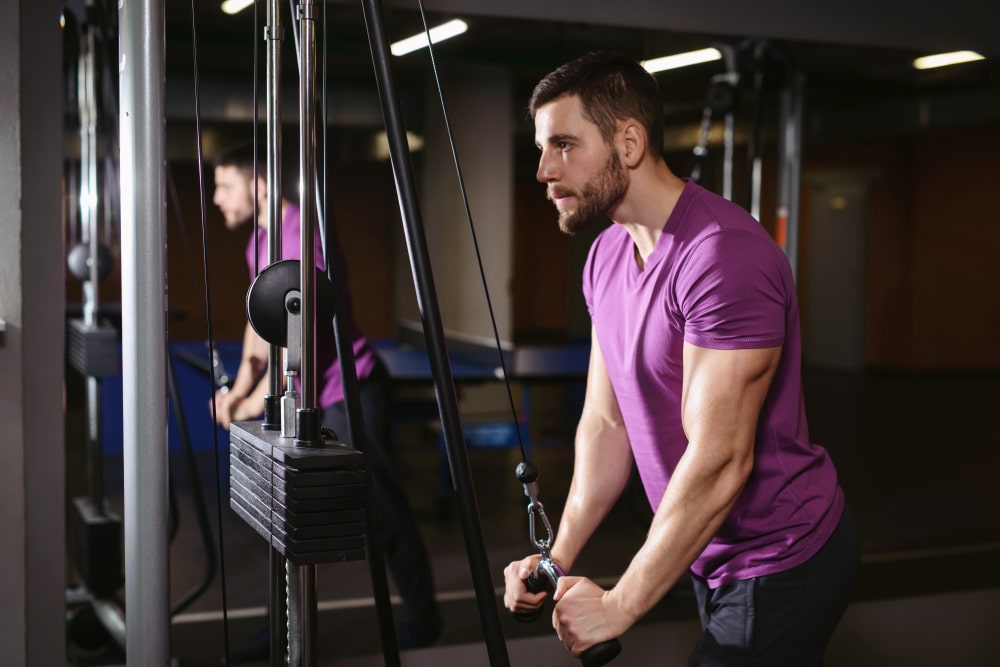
[(872, 67), (853, 54)]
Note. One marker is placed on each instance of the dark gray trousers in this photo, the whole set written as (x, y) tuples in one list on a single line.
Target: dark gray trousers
[(404, 550), (783, 619)]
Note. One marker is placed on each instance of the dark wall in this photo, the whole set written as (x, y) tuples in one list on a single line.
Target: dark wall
[(933, 239)]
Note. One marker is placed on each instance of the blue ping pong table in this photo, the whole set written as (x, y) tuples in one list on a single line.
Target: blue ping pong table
[(525, 366)]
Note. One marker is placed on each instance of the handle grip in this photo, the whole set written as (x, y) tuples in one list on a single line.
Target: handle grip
[(595, 656), (601, 654), (535, 583)]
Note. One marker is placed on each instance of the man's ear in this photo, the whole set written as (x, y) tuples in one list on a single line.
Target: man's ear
[(632, 143)]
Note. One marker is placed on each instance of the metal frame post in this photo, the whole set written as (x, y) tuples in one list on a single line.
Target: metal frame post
[(430, 312), (143, 188), (790, 168)]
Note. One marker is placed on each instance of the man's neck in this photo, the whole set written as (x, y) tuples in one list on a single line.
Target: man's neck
[(651, 199), (263, 211)]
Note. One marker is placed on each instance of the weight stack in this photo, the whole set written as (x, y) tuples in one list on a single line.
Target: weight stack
[(307, 502), (92, 350)]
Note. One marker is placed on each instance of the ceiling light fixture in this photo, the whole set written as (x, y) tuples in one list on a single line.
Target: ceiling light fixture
[(681, 60), (438, 34), (944, 59), (235, 6)]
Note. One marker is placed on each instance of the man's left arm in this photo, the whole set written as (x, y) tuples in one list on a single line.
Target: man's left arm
[(724, 391)]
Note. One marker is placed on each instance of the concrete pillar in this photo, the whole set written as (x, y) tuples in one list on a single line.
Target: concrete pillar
[(32, 482), (479, 106)]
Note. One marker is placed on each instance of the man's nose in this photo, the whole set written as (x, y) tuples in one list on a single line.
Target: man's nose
[(546, 170)]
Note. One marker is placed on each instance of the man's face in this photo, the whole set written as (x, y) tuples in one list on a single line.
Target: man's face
[(583, 174), (233, 196)]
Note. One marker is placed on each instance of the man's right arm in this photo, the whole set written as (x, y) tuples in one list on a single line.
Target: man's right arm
[(253, 363), (601, 469), (602, 463), (253, 368)]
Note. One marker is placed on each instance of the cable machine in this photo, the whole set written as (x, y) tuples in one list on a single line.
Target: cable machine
[(293, 460), (768, 68), (92, 347), (287, 308), (96, 619), (307, 493)]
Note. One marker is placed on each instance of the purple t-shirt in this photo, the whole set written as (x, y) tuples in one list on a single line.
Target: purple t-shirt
[(329, 385), (717, 280)]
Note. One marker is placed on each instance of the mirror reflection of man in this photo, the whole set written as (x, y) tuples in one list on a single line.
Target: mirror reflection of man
[(405, 552)]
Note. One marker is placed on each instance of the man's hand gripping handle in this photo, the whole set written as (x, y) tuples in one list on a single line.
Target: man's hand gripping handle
[(545, 576)]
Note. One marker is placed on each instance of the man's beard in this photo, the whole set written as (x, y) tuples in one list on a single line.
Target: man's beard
[(240, 217), (596, 197)]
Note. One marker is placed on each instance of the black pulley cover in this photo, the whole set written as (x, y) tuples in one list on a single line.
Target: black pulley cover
[(266, 300), (722, 96), (78, 261)]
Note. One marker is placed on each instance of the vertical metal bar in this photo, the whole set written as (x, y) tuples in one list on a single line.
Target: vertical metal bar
[(754, 161), (277, 590), (729, 128), (143, 188), (273, 36), (278, 608), (295, 631), (307, 167), (88, 196), (309, 612), (305, 604), (756, 178), (72, 208), (95, 456), (430, 312), (728, 139), (790, 168), (88, 215)]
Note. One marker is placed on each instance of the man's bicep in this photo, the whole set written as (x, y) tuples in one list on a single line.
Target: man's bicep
[(724, 391), (600, 402)]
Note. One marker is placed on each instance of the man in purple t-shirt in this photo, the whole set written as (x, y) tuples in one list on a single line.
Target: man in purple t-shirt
[(405, 552), (695, 377)]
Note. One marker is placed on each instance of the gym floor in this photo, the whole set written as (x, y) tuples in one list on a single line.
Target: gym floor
[(919, 458)]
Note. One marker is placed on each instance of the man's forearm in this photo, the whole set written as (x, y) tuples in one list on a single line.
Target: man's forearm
[(253, 405), (724, 391), (603, 464), (253, 364), (695, 505)]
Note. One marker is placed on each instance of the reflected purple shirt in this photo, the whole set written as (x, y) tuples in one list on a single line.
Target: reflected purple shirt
[(330, 386)]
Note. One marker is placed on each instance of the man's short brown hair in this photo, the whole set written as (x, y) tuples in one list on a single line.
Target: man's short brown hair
[(611, 87)]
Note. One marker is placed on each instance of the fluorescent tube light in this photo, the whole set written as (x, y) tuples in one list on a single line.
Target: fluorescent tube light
[(944, 59), (681, 60), (235, 6), (438, 34)]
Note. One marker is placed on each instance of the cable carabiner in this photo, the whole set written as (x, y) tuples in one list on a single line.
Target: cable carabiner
[(527, 474), (535, 509), (547, 573)]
